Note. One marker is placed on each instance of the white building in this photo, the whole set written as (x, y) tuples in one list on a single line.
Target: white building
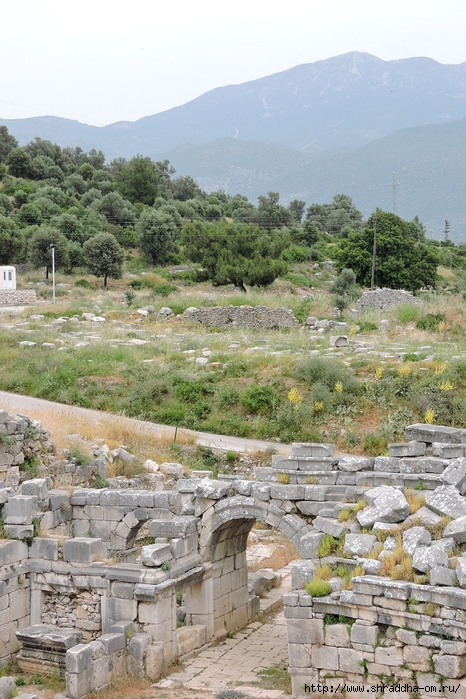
[(7, 278)]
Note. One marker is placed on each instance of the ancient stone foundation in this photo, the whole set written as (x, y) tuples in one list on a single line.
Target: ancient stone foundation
[(81, 598), (19, 296), (243, 317)]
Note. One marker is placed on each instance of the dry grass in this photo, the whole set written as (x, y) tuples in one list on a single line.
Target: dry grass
[(283, 553), (397, 564), (415, 500), (70, 429)]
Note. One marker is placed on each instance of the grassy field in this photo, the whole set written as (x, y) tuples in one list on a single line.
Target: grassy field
[(282, 385)]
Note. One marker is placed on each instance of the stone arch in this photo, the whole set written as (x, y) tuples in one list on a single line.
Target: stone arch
[(224, 530), (124, 534)]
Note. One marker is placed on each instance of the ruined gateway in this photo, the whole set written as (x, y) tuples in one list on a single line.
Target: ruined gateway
[(68, 557)]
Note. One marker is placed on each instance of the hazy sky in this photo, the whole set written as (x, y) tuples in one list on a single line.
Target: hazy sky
[(101, 61)]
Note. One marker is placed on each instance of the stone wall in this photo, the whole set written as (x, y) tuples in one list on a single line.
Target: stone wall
[(19, 296), (385, 298), (14, 595), (243, 317)]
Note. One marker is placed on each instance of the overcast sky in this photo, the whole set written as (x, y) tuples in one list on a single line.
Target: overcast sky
[(101, 61)]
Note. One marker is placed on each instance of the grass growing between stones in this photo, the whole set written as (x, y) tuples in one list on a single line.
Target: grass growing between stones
[(276, 677)]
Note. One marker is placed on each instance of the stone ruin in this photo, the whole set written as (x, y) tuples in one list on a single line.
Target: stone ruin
[(243, 317), (385, 298), (80, 598)]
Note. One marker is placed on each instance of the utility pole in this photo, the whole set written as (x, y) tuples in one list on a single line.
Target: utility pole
[(394, 186), (52, 246), (374, 252), (446, 230)]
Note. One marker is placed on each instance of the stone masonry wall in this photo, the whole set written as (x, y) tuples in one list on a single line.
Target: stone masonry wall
[(18, 296), (14, 595), (243, 316), (385, 298)]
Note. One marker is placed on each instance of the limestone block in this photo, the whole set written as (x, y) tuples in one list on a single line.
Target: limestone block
[(453, 647), (299, 655), (78, 659), (7, 685), (387, 464), (389, 656), (417, 658), (302, 572), (447, 451), (435, 433), (389, 505), (457, 530), (287, 492), (122, 609), (337, 635), (19, 531), (82, 549), (77, 686), (315, 449), (425, 516), (189, 638), (113, 642), (422, 464), (338, 340), (309, 544), (36, 487), (329, 526), (44, 548), (20, 509), (359, 544), (171, 469), (174, 528), (427, 557), (371, 566), (406, 637), (156, 554), (355, 463), (450, 666), (460, 571), (366, 635), (412, 448), (439, 575), (414, 537), (324, 658), (305, 631), (12, 551), (351, 661), (455, 474), (138, 645)]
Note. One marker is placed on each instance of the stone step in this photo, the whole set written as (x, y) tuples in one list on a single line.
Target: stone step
[(303, 463), (313, 449)]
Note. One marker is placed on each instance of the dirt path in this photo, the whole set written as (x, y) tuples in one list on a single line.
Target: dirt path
[(18, 403)]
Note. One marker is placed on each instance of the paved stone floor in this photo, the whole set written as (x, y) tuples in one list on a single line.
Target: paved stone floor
[(236, 661)]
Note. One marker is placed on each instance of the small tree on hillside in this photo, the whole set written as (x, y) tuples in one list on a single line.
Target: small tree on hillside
[(40, 252), (103, 256), (236, 255)]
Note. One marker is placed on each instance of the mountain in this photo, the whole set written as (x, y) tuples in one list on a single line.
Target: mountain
[(347, 100), (429, 163)]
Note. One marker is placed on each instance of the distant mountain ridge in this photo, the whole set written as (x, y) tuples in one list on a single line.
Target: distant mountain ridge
[(347, 100)]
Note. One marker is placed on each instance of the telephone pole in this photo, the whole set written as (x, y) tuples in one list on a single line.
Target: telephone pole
[(394, 185), (374, 252), (446, 230)]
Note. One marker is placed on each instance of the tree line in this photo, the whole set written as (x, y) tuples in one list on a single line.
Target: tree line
[(92, 212)]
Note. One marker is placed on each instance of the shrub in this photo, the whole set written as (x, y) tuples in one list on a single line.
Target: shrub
[(83, 283), (407, 313), (259, 399), (328, 372), (137, 284), (430, 322), (318, 588), (326, 546)]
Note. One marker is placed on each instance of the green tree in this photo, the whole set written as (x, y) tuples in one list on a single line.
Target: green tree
[(7, 143), (157, 231), (103, 256), (402, 262), (11, 241), (236, 255), (19, 162), (40, 252), (138, 180)]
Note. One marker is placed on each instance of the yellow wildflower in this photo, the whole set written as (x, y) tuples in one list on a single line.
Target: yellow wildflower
[(446, 386), (441, 326), (440, 368), (318, 406), (378, 374), (404, 370), (339, 387), (295, 398), (429, 416)]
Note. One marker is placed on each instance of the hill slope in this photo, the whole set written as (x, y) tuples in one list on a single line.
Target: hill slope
[(346, 100)]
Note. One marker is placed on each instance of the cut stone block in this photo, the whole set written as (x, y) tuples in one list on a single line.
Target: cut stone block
[(338, 340), (36, 487), (412, 448), (455, 474), (302, 572), (446, 500), (329, 526), (447, 451), (389, 505), (156, 554), (414, 537), (457, 530), (424, 516), (83, 550), (20, 509), (359, 544), (312, 449), (309, 544), (439, 575), (435, 433), (355, 463), (422, 464), (387, 464), (427, 557)]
